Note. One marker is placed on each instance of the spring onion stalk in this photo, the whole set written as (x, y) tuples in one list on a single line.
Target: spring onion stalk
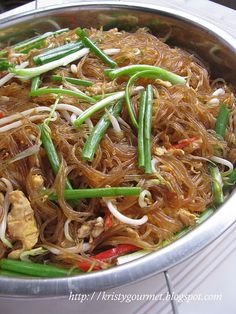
[(152, 74), (142, 107), (230, 180), (129, 104), (59, 49), (35, 269), (232, 177), (71, 80), (34, 252), (9, 76), (100, 105), (147, 130), (4, 64), (159, 72), (222, 121), (3, 53), (36, 39), (57, 53), (35, 83), (98, 52), (37, 45), (35, 71), (51, 151), (59, 91), (76, 194), (36, 42), (220, 129), (98, 132), (217, 185), (8, 273), (62, 51)]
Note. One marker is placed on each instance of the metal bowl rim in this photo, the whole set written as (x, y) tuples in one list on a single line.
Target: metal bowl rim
[(167, 257)]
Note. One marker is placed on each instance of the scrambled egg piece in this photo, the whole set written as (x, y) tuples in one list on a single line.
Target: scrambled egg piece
[(187, 218), (37, 181), (21, 223)]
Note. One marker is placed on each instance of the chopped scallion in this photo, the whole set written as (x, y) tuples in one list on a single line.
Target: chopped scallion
[(77, 194), (147, 129), (132, 69), (60, 91), (71, 80), (93, 48), (98, 132)]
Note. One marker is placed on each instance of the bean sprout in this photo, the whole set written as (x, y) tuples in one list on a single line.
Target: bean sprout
[(124, 219)]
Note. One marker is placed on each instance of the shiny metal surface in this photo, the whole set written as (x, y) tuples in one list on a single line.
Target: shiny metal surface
[(215, 48), (170, 288)]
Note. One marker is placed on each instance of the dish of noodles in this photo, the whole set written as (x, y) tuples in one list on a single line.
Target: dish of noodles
[(112, 145)]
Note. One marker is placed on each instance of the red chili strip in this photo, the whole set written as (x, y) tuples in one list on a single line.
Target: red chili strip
[(1, 114), (185, 143), (108, 254), (116, 251)]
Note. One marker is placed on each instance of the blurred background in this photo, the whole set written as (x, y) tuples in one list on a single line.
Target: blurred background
[(11, 4)]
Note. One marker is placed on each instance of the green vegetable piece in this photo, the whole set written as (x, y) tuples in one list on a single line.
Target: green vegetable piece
[(98, 52), (76, 194), (98, 132), (133, 69), (71, 80), (222, 121), (51, 151), (35, 269), (147, 129), (142, 107)]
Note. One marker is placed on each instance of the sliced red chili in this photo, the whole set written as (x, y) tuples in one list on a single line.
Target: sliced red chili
[(185, 143), (108, 254), (116, 251), (1, 114)]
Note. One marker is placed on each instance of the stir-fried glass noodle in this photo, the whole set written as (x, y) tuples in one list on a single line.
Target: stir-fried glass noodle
[(110, 143)]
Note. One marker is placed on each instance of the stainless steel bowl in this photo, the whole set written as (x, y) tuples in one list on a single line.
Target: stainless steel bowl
[(215, 48)]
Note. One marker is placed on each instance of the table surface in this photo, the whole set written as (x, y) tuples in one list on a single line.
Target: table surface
[(209, 272)]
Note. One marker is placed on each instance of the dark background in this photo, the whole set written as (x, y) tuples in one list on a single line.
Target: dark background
[(228, 3), (10, 4)]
